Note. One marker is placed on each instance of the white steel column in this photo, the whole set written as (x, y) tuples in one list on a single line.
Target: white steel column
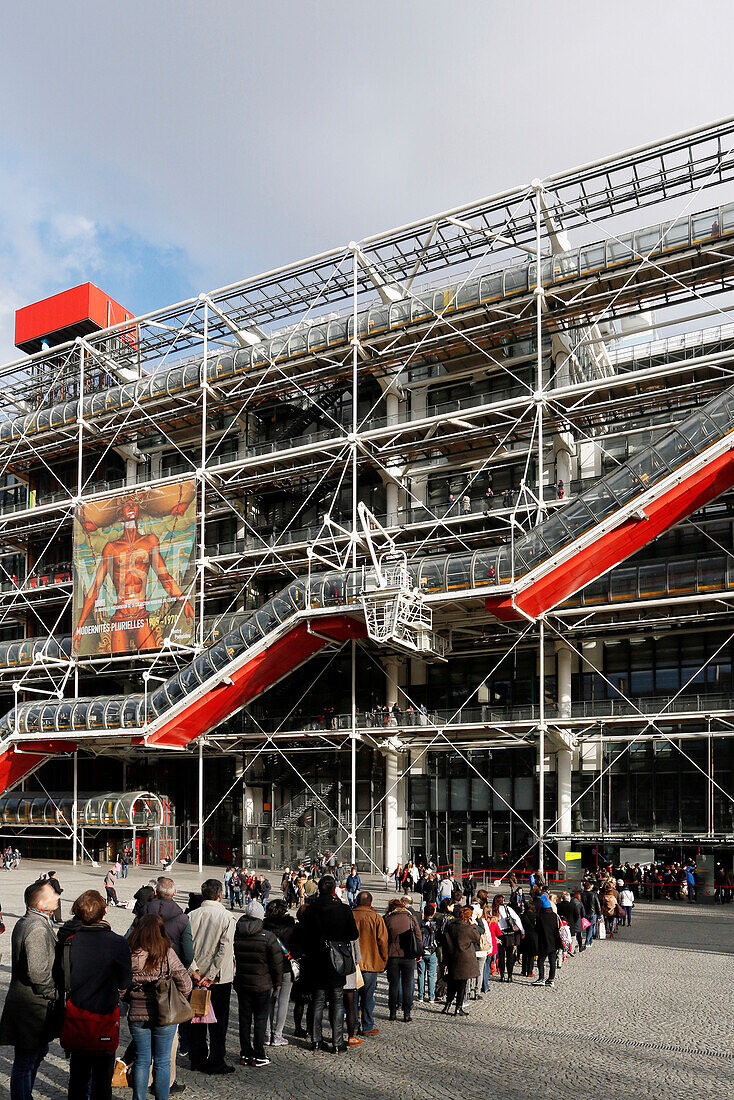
[(539, 394), (541, 738), (202, 518), (395, 793), (355, 520), (564, 756), (74, 812), (353, 799), (391, 831), (201, 804)]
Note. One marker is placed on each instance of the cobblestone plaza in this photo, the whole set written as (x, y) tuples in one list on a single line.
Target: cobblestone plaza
[(649, 1014)]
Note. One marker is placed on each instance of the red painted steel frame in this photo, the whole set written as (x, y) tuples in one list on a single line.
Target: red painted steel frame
[(678, 502)]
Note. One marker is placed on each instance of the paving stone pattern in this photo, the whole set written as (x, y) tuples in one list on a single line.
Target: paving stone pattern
[(649, 1014)]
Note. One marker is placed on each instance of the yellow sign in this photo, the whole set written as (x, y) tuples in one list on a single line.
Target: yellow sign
[(572, 855)]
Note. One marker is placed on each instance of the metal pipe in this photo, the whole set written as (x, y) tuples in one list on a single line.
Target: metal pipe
[(201, 804), (541, 740), (74, 812)]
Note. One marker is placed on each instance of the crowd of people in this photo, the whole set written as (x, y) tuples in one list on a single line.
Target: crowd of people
[(174, 971), (9, 859)]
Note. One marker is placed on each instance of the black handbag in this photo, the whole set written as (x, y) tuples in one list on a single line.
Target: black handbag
[(341, 957)]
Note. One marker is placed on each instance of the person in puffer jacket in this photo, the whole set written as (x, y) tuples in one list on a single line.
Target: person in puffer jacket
[(259, 964)]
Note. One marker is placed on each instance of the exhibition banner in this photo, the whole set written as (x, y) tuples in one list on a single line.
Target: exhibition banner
[(134, 570)]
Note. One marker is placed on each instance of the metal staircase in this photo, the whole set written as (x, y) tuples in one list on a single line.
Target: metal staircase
[(287, 815)]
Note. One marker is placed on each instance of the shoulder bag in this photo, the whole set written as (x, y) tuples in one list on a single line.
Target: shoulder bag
[(294, 964), (341, 957), (173, 1007), (90, 1032)]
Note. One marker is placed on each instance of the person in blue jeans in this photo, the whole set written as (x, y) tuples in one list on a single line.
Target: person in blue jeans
[(153, 958), (353, 885), (428, 962)]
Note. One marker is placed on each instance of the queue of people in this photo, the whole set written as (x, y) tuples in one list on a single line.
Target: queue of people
[(325, 960)]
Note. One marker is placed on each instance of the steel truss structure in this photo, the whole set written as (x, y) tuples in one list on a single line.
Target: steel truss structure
[(405, 412)]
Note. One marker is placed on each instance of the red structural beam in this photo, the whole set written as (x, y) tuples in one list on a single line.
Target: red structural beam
[(608, 550), (257, 674)]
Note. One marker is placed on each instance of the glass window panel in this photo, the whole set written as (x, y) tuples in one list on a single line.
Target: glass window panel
[(647, 240), (565, 266), (516, 278), (648, 466), (485, 568), (480, 795), (653, 580), (721, 411), (711, 574), (491, 286), (591, 259), (620, 251), (674, 449), (700, 430), (682, 576), (705, 225), (529, 551), (578, 517), (459, 794), (504, 565), (624, 584), (556, 533), (432, 574), (458, 571), (174, 690), (333, 591), (726, 218), (600, 501), (597, 591), (675, 234), (624, 484), (502, 790)]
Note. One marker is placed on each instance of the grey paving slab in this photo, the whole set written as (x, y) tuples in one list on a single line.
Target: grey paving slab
[(649, 1014)]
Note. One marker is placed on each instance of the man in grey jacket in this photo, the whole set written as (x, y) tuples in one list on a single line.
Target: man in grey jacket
[(29, 1016), (212, 930)]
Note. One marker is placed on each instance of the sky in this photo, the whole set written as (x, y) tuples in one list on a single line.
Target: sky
[(161, 149)]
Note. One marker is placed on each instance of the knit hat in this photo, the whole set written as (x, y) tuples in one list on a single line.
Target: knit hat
[(255, 909)]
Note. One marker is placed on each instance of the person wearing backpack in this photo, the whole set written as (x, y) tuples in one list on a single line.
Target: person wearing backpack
[(403, 950), (92, 964), (427, 967)]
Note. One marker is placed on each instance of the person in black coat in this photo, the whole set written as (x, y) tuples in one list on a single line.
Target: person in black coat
[(279, 921), (576, 921), (259, 963), (549, 940), (326, 920), (530, 940), (99, 966)]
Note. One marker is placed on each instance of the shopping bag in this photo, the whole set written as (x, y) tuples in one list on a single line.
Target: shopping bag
[(200, 1000), (119, 1077), (602, 931)]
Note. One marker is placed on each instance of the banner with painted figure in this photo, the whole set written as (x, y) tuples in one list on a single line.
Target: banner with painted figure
[(134, 570)]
